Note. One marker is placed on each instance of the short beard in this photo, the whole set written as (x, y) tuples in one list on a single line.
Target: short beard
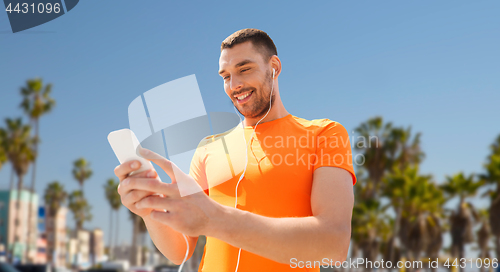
[(262, 104)]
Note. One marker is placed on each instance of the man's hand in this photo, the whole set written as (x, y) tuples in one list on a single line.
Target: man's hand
[(192, 214), (130, 197)]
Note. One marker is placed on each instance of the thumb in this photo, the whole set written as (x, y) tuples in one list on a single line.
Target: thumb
[(187, 185)]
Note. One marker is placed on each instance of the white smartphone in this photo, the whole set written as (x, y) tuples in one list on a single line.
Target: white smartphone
[(126, 145)]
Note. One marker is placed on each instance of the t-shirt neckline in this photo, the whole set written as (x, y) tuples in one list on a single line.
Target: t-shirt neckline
[(271, 122)]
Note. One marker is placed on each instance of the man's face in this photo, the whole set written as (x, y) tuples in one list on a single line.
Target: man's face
[(247, 79)]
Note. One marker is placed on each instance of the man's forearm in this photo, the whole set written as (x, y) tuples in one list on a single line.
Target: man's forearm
[(280, 239), (170, 242)]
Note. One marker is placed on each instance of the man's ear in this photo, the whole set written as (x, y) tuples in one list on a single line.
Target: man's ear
[(275, 64)]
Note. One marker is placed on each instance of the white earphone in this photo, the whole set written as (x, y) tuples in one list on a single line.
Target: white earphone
[(246, 157)]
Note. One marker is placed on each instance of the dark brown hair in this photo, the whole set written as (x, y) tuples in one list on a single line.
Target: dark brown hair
[(260, 40)]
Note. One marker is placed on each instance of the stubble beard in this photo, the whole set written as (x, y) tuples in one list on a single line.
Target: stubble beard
[(261, 100)]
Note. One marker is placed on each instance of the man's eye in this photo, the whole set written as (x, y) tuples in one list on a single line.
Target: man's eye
[(226, 77), (246, 69)]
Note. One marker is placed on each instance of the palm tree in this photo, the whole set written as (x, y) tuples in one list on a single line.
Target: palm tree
[(386, 148), (3, 155), (135, 235), (492, 176), (143, 231), (435, 231), (369, 222), (36, 102), (18, 144), (402, 150), (395, 184), (417, 202), (372, 144), (54, 197), (81, 171), (461, 220), (80, 208), (383, 146), (483, 236), (139, 228), (424, 203), (111, 190)]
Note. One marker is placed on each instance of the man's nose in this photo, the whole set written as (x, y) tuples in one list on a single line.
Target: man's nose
[(235, 83)]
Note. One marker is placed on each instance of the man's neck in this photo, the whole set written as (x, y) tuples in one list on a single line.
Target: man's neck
[(276, 112)]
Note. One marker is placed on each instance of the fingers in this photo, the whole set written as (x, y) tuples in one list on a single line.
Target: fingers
[(148, 184), (150, 173), (122, 170), (156, 202), (165, 164), (132, 197)]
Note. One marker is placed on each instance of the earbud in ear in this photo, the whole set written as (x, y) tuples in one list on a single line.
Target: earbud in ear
[(273, 72)]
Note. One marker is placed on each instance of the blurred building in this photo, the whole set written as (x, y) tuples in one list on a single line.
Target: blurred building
[(15, 236), (78, 251), (71, 251), (56, 232), (157, 258), (97, 246), (41, 254), (125, 252)]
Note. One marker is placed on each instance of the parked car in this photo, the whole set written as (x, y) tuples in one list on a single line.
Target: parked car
[(5, 267), (33, 267), (166, 268), (101, 270), (116, 265), (141, 269)]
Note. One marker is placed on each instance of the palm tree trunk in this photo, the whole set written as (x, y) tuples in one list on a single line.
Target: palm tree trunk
[(110, 242), (33, 179), (396, 230), (12, 177), (52, 242), (18, 211), (11, 187), (117, 227), (481, 255), (133, 250), (29, 227), (78, 251)]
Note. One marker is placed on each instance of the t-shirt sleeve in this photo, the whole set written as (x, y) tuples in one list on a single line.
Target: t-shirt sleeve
[(197, 168), (334, 148)]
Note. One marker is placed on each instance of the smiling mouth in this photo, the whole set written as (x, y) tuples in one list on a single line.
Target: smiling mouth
[(244, 97)]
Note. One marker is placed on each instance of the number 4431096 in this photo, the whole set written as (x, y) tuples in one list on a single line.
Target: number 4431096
[(40, 8), (486, 263)]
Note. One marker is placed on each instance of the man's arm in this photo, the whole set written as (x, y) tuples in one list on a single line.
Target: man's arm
[(326, 234)]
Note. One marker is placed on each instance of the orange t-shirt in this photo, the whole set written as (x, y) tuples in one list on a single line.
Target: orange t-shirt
[(282, 157)]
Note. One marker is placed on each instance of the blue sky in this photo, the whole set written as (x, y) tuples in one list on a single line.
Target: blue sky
[(432, 65)]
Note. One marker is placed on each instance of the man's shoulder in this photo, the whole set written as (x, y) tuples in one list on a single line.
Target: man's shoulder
[(212, 138), (316, 123)]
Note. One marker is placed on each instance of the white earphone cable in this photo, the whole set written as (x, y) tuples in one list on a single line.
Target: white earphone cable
[(242, 175), (187, 252), (246, 156)]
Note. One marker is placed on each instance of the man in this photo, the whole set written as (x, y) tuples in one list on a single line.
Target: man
[(294, 204)]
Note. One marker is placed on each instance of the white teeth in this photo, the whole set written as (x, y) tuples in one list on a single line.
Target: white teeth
[(243, 96)]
